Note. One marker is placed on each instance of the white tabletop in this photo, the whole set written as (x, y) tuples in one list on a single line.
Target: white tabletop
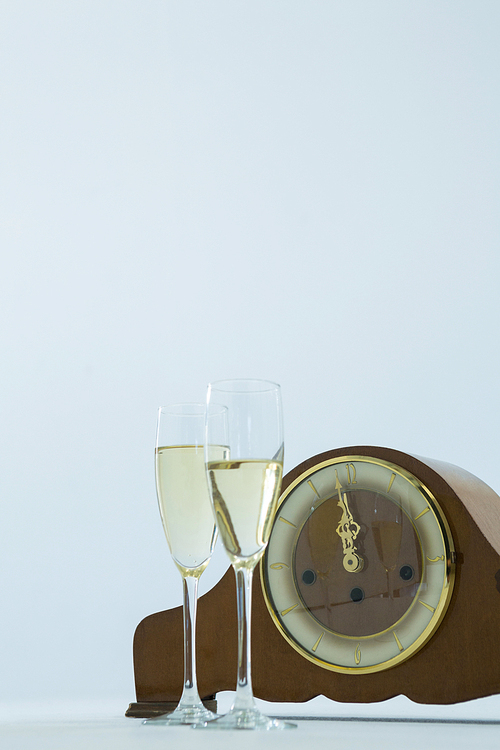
[(102, 726)]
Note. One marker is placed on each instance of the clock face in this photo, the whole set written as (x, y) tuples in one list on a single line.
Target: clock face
[(359, 568)]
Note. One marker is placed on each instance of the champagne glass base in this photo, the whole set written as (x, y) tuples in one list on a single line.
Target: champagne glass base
[(247, 718), (196, 715)]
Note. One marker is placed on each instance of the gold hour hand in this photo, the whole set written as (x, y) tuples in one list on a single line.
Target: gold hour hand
[(348, 530)]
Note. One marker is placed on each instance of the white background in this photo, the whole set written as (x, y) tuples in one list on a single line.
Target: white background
[(301, 191)]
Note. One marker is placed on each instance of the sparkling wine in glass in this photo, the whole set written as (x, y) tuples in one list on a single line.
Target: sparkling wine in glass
[(244, 488), (188, 522)]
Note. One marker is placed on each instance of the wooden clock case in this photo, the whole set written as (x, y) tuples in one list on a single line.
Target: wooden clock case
[(460, 662)]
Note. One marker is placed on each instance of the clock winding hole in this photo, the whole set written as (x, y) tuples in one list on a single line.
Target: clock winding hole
[(357, 594), (308, 577)]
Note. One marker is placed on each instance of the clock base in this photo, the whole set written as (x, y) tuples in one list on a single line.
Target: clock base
[(151, 709)]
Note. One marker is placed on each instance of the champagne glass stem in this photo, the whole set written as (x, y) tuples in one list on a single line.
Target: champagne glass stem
[(190, 695), (244, 696)]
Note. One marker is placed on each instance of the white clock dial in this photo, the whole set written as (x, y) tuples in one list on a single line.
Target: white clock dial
[(359, 568)]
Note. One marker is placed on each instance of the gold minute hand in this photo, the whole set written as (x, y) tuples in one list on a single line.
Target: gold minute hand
[(348, 530)]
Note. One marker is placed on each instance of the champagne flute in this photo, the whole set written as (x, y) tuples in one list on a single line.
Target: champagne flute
[(244, 489), (188, 522)]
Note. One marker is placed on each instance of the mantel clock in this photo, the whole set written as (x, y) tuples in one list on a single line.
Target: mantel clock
[(381, 578)]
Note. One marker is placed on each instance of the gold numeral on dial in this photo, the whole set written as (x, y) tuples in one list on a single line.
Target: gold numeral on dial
[(422, 514), (349, 467), (400, 645), (357, 655), (278, 566), (311, 485), (435, 559), (318, 641), (286, 611), (393, 477)]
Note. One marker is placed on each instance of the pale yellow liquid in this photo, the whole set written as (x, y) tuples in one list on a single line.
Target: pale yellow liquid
[(185, 509), (245, 495)]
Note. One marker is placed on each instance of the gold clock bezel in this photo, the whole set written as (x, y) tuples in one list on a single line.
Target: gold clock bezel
[(448, 577)]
